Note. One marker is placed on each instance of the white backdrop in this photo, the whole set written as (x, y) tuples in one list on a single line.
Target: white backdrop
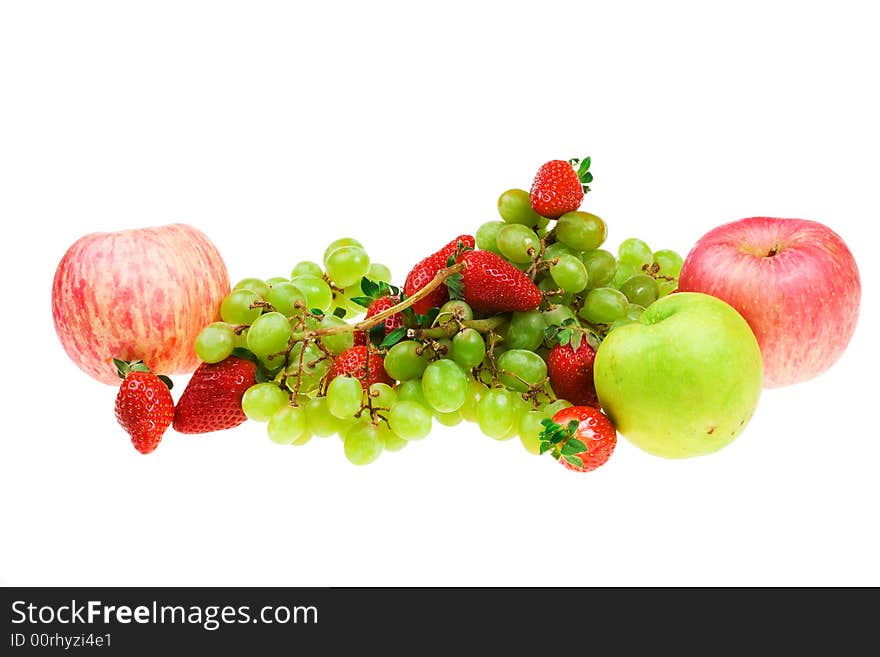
[(276, 128)]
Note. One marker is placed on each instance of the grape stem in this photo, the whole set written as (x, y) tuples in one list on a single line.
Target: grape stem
[(366, 324), (449, 329)]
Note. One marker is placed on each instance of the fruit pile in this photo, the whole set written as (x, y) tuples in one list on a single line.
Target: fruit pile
[(499, 329), (528, 328)]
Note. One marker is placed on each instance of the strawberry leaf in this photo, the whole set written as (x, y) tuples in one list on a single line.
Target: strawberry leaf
[(575, 461), (573, 446), (455, 283), (362, 301), (339, 312), (316, 311), (245, 354), (576, 339), (168, 382), (550, 331), (564, 336), (393, 338), (428, 318), (377, 333), (369, 288)]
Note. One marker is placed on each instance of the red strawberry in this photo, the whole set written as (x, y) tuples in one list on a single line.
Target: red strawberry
[(424, 272), (353, 362), (490, 284), (391, 323), (581, 438), (558, 188), (144, 407), (212, 399), (571, 373)]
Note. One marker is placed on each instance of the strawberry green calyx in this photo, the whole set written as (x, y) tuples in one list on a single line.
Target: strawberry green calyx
[(123, 368), (375, 290), (583, 171), (560, 441), (572, 333)]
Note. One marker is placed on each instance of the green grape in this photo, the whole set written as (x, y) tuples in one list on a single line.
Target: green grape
[(307, 268), (517, 243), (457, 309), (525, 331), (541, 228), (448, 419), (362, 444), (269, 334), (444, 385), (379, 272), (557, 315), (475, 393), (382, 395), (668, 263), (344, 396), (548, 285), (318, 293), (496, 413), (521, 364), (528, 428), (336, 343), (261, 401), (288, 425), (641, 289), (601, 266), (558, 249), (635, 252), (236, 307), (319, 418), (442, 348), (625, 271), (603, 305), (411, 391), (667, 287), (284, 297), (347, 265), (634, 311), (342, 241), (390, 440), (275, 280), (486, 236), (513, 431), (515, 207), (344, 301), (553, 408), (468, 348), (255, 285), (409, 420), (314, 367), (407, 360), (582, 231), (240, 339), (215, 342), (569, 273)]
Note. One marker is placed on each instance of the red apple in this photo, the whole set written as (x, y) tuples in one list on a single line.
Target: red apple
[(794, 281), (137, 294)]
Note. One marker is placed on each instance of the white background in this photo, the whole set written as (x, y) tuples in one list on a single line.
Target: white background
[(276, 128)]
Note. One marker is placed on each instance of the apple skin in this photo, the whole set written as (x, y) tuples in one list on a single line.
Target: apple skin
[(684, 379), (795, 282), (137, 294)]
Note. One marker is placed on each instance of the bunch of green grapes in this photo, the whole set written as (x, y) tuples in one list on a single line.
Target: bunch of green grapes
[(570, 266)]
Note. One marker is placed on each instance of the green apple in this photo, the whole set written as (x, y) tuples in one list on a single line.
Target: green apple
[(684, 379)]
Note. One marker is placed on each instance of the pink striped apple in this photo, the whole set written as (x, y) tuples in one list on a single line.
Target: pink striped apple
[(794, 281), (137, 295)]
